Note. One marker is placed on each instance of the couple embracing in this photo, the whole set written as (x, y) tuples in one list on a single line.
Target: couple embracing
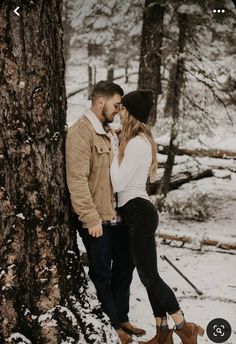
[(106, 177)]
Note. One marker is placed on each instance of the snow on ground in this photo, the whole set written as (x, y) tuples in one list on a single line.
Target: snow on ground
[(219, 197), (212, 273)]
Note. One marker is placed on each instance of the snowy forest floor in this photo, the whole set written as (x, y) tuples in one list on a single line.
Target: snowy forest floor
[(212, 273)]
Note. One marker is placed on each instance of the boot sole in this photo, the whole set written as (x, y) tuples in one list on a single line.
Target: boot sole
[(132, 333)]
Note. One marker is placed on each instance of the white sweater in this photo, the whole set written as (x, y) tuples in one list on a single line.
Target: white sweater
[(130, 177)]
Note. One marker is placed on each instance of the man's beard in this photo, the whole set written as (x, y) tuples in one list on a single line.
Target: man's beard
[(105, 115)]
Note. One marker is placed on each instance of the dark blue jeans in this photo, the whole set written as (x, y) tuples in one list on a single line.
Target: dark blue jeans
[(141, 219), (111, 269)]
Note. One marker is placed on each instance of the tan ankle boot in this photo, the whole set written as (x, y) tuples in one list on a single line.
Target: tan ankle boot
[(124, 337), (162, 337), (166, 337), (189, 332), (131, 329)]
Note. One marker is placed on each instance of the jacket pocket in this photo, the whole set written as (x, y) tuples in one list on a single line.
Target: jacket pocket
[(102, 154)]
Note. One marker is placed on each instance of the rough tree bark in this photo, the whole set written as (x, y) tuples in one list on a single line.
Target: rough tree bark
[(44, 294), (175, 84), (150, 54)]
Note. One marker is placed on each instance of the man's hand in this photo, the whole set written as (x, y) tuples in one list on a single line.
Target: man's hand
[(96, 231)]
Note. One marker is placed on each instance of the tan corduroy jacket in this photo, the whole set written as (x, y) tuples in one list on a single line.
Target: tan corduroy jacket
[(88, 159)]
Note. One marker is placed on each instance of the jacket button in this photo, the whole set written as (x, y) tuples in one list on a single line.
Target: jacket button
[(101, 150)]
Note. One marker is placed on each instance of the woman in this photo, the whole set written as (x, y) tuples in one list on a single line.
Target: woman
[(131, 166)]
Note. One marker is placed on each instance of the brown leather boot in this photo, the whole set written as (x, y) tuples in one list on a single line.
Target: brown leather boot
[(166, 337), (124, 337), (189, 332), (162, 337), (131, 329)]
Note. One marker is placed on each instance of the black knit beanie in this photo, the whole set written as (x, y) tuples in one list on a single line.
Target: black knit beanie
[(139, 104)]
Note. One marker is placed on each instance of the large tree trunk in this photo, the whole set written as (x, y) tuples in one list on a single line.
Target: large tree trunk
[(126, 71), (111, 64), (90, 81), (150, 55), (44, 291), (67, 30), (175, 85)]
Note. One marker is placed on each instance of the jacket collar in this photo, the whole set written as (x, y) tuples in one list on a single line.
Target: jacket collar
[(97, 125)]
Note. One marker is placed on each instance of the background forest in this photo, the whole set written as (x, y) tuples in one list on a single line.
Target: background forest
[(185, 53)]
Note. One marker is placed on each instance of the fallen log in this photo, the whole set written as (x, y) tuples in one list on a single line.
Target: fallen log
[(179, 179), (185, 177), (212, 153), (204, 240), (205, 250), (211, 163)]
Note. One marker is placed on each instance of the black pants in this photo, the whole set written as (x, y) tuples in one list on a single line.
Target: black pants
[(111, 269), (141, 219)]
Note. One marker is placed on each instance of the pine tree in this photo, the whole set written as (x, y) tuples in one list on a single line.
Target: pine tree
[(44, 291), (151, 50), (188, 108)]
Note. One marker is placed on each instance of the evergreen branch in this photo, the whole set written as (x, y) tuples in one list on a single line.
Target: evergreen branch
[(195, 105), (211, 88)]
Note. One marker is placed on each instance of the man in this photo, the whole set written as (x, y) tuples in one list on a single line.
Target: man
[(88, 159)]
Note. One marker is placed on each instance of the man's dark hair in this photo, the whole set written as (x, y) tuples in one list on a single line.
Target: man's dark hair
[(106, 88)]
